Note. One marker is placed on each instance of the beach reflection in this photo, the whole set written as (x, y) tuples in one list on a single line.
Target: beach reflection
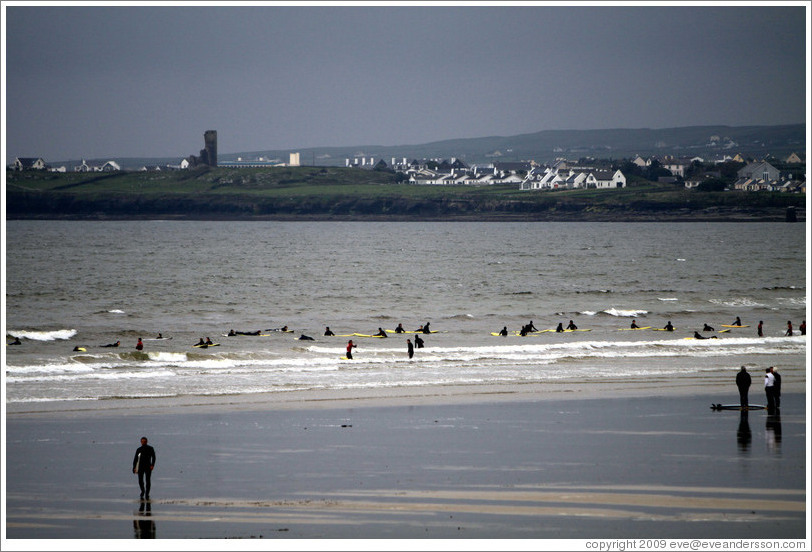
[(743, 434), (143, 525), (773, 432)]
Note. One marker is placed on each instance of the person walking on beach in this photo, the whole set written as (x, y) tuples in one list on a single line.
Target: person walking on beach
[(776, 387), (789, 328), (350, 347), (410, 348), (743, 381), (143, 464), (769, 391), (761, 328)]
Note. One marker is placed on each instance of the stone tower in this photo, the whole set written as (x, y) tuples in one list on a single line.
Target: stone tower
[(210, 140)]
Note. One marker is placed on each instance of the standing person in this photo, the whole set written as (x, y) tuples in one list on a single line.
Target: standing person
[(143, 464), (802, 327), (140, 345), (776, 387), (769, 390), (761, 328), (350, 347), (789, 327), (418, 342), (410, 348), (743, 381)]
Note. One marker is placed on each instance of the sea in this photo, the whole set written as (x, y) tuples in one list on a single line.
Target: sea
[(73, 287)]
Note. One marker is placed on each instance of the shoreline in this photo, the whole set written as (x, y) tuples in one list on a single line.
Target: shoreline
[(324, 399)]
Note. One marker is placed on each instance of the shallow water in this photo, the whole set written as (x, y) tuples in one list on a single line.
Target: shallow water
[(86, 284)]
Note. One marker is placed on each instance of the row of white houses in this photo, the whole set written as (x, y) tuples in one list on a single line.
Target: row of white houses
[(554, 178)]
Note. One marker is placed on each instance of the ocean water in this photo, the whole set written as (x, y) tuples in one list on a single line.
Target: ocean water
[(86, 284)]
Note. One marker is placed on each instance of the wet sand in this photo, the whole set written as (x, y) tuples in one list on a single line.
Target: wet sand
[(460, 463)]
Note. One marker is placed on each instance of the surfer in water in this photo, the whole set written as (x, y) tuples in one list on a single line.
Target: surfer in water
[(760, 328), (418, 342), (789, 328), (708, 329), (634, 325), (504, 332), (16, 341), (381, 333), (572, 326), (409, 348), (350, 347), (560, 327), (737, 322), (669, 327), (697, 335), (426, 328), (328, 331), (802, 327), (116, 344), (140, 345), (400, 329), (304, 337)]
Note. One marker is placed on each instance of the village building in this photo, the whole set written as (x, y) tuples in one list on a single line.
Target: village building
[(29, 164)]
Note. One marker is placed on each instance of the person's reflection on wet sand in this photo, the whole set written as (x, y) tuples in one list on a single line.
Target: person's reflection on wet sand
[(773, 433), (144, 527), (743, 434)]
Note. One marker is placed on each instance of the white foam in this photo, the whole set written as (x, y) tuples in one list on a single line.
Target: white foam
[(625, 312), (42, 335)]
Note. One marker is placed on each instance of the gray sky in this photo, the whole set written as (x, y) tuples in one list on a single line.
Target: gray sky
[(104, 81)]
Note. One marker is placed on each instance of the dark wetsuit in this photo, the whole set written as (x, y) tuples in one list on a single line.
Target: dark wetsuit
[(743, 381), (144, 465)]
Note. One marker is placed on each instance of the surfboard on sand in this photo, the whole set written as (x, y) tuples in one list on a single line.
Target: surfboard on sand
[(737, 407)]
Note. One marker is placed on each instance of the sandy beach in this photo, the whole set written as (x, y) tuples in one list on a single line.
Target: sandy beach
[(521, 462)]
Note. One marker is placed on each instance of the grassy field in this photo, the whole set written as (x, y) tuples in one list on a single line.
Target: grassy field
[(332, 192)]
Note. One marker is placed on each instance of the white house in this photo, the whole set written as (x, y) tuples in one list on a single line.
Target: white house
[(29, 164), (605, 179)]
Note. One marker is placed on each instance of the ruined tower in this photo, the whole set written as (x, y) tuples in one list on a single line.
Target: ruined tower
[(208, 155), (210, 141)]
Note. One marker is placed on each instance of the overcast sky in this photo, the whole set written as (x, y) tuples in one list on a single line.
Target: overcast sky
[(104, 81)]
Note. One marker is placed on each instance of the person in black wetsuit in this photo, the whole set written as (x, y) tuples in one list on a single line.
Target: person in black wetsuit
[(504, 332), (669, 327), (143, 464), (743, 381), (572, 326), (400, 329), (409, 348), (328, 331), (634, 325), (418, 342), (381, 333), (426, 328), (560, 327), (708, 329)]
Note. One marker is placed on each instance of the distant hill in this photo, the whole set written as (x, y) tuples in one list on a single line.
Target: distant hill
[(709, 142)]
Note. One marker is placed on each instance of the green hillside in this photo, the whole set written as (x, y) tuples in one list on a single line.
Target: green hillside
[(311, 193)]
